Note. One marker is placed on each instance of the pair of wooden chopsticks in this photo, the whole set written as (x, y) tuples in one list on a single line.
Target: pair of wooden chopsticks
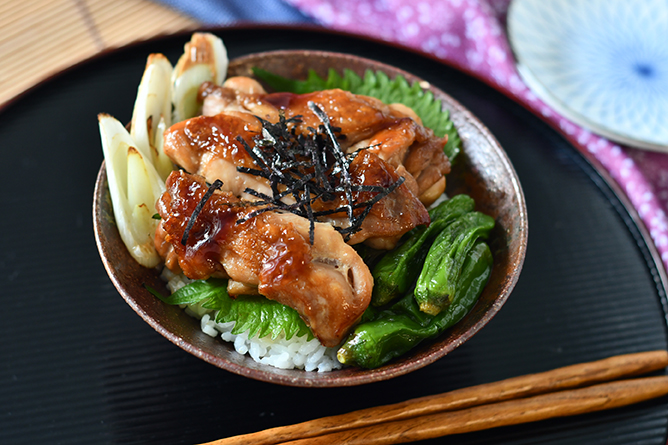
[(568, 391)]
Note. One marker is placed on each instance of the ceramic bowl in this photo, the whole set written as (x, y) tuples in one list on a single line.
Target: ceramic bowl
[(482, 170)]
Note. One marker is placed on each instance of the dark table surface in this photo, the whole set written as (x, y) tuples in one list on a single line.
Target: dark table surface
[(77, 365)]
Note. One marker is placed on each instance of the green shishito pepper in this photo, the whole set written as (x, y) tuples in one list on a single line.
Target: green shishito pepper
[(397, 270), (438, 280), (394, 331)]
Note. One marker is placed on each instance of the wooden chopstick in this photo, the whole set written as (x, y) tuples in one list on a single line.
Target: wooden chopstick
[(511, 412), (569, 377)]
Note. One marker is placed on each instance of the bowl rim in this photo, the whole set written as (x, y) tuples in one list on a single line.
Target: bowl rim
[(338, 378)]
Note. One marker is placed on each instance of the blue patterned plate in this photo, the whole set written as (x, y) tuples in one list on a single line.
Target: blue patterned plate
[(601, 63)]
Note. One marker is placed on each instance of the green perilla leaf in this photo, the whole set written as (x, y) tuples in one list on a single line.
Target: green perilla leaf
[(253, 313)]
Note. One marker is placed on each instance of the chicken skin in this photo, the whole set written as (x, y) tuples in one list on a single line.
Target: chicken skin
[(209, 146), (326, 282), (393, 131)]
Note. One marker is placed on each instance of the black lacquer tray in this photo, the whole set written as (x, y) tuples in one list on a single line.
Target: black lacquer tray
[(77, 365)]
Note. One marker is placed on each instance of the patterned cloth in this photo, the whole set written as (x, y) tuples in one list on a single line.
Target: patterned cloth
[(471, 35)]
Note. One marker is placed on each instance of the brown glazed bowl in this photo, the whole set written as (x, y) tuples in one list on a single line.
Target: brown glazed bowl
[(482, 170)]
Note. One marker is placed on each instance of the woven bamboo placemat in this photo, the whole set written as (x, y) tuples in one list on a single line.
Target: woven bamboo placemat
[(41, 37)]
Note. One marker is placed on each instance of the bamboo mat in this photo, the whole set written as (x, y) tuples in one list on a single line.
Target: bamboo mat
[(41, 37)]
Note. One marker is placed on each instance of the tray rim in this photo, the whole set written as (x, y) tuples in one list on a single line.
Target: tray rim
[(653, 260)]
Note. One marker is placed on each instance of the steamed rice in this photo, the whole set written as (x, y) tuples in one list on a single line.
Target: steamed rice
[(296, 353)]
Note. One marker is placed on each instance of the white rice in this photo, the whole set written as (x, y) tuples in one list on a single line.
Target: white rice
[(296, 353)]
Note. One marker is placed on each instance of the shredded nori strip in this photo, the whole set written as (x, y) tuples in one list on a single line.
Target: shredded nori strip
[(339, 155), (215, 186), (308, 167)]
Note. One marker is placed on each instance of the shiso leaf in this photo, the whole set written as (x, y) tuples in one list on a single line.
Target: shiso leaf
[(252, 313), (195, 292), (380, 86), (261, 317)]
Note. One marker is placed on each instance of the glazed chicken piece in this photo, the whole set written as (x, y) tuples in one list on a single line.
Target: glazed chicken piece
[(415, 154), (388, 219), (357, 116), (393, 132), (237, 94), (326, 282), (207, 146)]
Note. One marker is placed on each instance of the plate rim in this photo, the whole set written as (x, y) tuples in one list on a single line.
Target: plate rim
[(544, 93)]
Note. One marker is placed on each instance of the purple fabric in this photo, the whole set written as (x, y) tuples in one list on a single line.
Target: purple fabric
[(471, 34)]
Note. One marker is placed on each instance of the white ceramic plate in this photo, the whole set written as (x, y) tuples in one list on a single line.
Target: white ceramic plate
[(601, 63)]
